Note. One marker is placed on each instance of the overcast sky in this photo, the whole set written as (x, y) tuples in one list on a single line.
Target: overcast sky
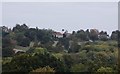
[(58, 15)]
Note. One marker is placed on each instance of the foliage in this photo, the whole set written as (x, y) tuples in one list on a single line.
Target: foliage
[(58, 55), (74, 47), (7, 47), (114, 35), (105, 69), (45, 69), (90, 51), (22, 40), (20, 63), (94, 34), (64, 42), (82, 35), (68, 60), (40, 50), (28, 62), (20, 28), (78, 68)]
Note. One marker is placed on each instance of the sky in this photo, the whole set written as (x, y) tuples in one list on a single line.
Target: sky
[(71, 16), (59, 0)]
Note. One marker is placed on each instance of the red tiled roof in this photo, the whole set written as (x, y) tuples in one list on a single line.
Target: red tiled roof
[(57, 33)]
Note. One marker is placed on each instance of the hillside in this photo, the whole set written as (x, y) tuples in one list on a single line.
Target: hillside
[(45, 50)]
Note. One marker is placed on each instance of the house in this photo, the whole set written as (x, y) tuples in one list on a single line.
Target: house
[(58, 34), (61, 35), (68, 34)]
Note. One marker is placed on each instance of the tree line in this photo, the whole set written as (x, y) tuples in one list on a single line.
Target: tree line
[(80, 51), (22, 35)]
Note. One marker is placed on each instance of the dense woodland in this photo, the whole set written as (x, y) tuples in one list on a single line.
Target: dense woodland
[(41, 51)]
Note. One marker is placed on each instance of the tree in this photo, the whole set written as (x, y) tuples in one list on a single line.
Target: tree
[(19, 63), (103, 36), (74, 47), (64, 42), (22, 40), (68, 60), (28, 62), (44, 70), (88, 34), (40, 50), (7, 47), (94, 34), (49, 60), (44, 35), (4, 29), (4, 34), (73, 33), (79, 68), (20, 28), (31, 34), (114, 35), (82, 35), (105, 69)]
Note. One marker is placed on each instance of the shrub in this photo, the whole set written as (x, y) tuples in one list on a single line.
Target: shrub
[(105, 69), (78, 68), (44, 70)]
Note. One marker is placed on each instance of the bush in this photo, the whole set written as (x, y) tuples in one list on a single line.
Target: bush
[(40, 50), (74, 47), (7, 47), (44, 70), (78, 68), (28, 62), (24, 42), (88, 48), (105, 69)]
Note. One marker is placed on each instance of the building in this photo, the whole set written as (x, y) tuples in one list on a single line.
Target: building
[(58, 34), (61, 35)]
